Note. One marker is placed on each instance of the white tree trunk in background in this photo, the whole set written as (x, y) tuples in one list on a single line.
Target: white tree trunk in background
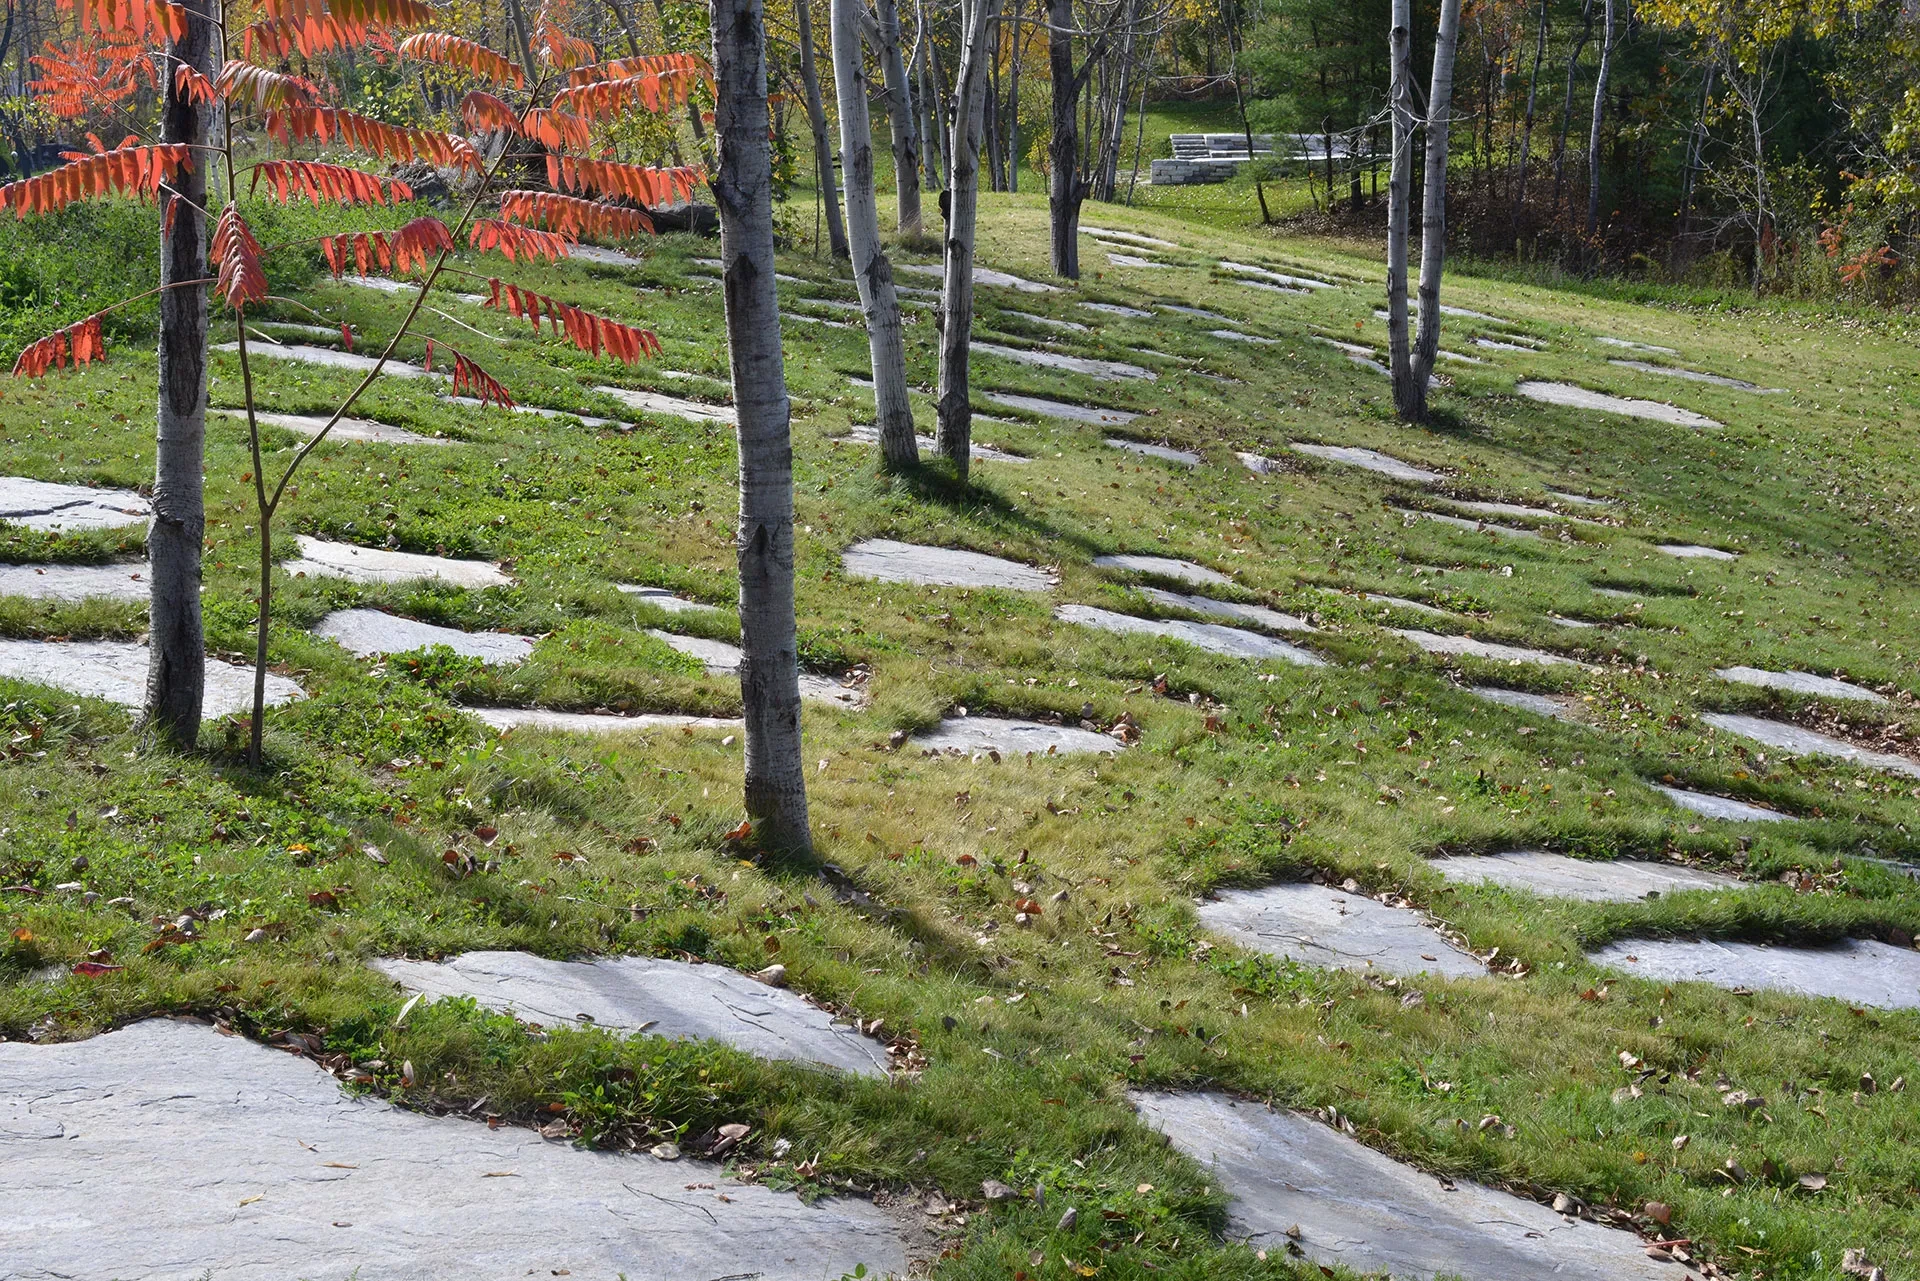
[(817, 122), (1599, 115), (905, 131), (954, 435), (776, 783), (1399, 194), (1433, 221)]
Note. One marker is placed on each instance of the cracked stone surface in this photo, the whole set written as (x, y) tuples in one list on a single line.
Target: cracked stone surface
[(1557, 876), (327, 358), (889, 561), (168, 1152), (1357, 1208), (346, 429), (1799, 683), (1693, 551), (1435, 643), (1160, 566), (1560, 707), (1132, 237), (1581, 398), (1857, 971), (505, 718), (1698, 376), (1795, 741), (51, 507), (1211, 637), (322, 558), (654, 402), (1276, 277), (631, 994), (1710, 806), (970, 734), (1323, 926), (666, 600), (1104, 370), (982, 276), (1409, 516), (1629, 345), (1166, 453), (1258, 615), (370, 633), (117, 672), (123, 580), (1062, 409), (1135, 260), (868, 434), (722, 658), (1115, 309), (1369, 460)]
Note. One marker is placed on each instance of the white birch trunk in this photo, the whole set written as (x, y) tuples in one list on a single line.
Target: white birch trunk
[(1399, 193), (1599, 117), (905, 131), (954, 433), (1433, 220), (817, 122)]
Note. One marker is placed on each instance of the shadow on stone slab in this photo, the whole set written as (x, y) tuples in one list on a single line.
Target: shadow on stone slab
[(1258, 615), (868, 434), (722, 658), (1409, 516), (1368, 460), (1560, 707), (973, 734), (1695, 375), (1795, 741), (1161, 567), (1215, 639), (509, 718), (654, 402), (51, 507), (1708, 805), (1693, 551), (1104, 370), (1557, 876), (117, 672), (1062, 409), (664, 599), (170, 1152), (372, 633), (1321, 926), (1857, 971)]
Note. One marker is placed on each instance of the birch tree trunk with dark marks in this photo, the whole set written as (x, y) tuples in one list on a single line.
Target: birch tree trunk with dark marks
[(954, 432), (872, 273), (1065, 190), (1412, 400), (776, 784), (1399, 182), (904, 130), (1599, 118), (817, 122), (176, 672)]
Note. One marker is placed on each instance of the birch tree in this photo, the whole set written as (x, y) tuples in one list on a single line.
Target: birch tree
[(1412, 363), (1607, 40), (954, 432), (903, 128), (817, 123)]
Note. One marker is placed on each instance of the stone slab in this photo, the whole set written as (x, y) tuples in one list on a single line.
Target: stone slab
[(664, 599), (169, 1152), (541, 411), (1277, 277), (868, 434), (1515, 509), (1356, 1208), (654, 402), (52, 507), (1557, 876), (722, 658), (1160, 566), (1330, 928), (351, 362), (1272, 288), (1795, 741), (1583, 500), (371, 633), (1103, 370), (1133, 237), (1116, 309), (1693, 551), (1410, 515), (1573, 397), (322, 558), (125, 580), (1196, 312), (1351, 348), (347, 429), (802, 318), (1234, 335), (1557, 706), (1857, 971), (117, 672), (604, 257), (1698, 376), (1708, 805), (1629, 345), (630, 994), (971, 734), (1034, 318), (1211, 637), (1062, 409), (1799, 683), (1493, 344), (506, 718), (1369, 460), (380, 283), (1166, 453), (1258, 464), (1435, 643), (889, 561), (982, 276), (1397, 602), (1258, 615), (1135, 260)]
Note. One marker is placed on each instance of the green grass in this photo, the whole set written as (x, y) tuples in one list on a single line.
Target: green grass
[(1361, 770)]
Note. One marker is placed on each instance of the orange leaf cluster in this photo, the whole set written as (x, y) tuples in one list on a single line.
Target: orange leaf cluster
[(651, 64), (557, 47), (555, 130), (363, 133), (264, 89), (353, 13), (317, 182), (241, 279), (647, 185), (131, 18), (87, 76), (485, 113), (314, 36), (190, 86), (468, 376), (572, 216), (468, 55), (492, 234), (590, 333), (652, 92), (413, 245), (135, 170), (80, 343)]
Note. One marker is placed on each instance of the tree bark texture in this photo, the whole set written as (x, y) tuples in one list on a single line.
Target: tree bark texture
[(904, 131), (954, 430), (1065, 190), (1399, 182), (817, 121), (1599, 118), (776, 785), (1412, 401)]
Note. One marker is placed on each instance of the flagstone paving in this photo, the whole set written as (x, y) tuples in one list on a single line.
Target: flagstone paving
[(1583, 500), (983, 276), (121, 580), (1693, 551), (1258, 464), (117, 672), (1277, 277), (868, 434), (1857, 971), (1234, 335), (1795, 741), (666, 600), (1212, 637), (1398, 602), (976, 734), (1133, 237), (723, 658), (327, 358), (654, 402), (1708, 805), (1434, 643), (53, 507), (604, 257), (1103, 370), (168, 1151), (890, 561), (1495, 345), (1272, 288), (1514, 509), (1369, 460), (1320, 925), (1062, 409), (506, 718), (323, 558), (1698, 376), (347, 429), (1557, 876), (1116, 309), (1298, 1184), (380, 283), (585, 420), (1072, 326), (1199, 313), (1573, 397), (1135, 260), (1410, 515), (1258, 615), (1799, 683), (372, 633), (632, 994), (1560, 707), (1166, 453), (1631, 345), (1160, 566)]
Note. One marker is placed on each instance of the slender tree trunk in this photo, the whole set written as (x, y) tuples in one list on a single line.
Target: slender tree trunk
[(1696, 148), (1412, 401), (904, 131), (1246, 125), (955, 430), (1013, 99), (776, 783), (937, 105), (1115, 117), (517, 19), (817, 121), (1399, 182), (932, 136), (1140, 122), (1566, 108), (1526, 130), (176, 672), (872, 273), (1599, 118), (1065, 190)]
